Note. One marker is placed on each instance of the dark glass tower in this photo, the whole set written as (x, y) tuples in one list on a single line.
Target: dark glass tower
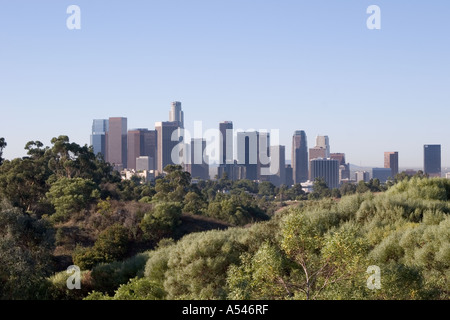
[(226, 148), (328, 169), (98, 137), (299, 157), (141, 142), (248, 150), (432, 159), (165, 145), (176, 114)]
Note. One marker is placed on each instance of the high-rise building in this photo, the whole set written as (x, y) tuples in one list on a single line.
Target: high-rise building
[(362, 176), (324, 142), (141, 142), (198, 166), (289, 175), (116, 141), (344, 168), (382, 174), (226, 148), (176, 114), (391, 161), (264, 157), (299, 157), (317, 152), (432, 160), (98, 137), (165, 145), (279, 177), (144, 163), (339, 157), (248, 151), (328, 169)]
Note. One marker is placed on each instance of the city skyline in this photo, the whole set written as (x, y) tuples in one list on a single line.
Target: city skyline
[(157, 148), (288, 66)]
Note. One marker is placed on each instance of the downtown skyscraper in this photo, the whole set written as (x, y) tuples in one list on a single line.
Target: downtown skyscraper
[(328, 169), (391, 161), (324, 143), (116, 143), (432, 160), (278, 154), (176, 114), (226, 147), (98, 137), (299, 157), (253, 149), (165, 145), (141, 143), (199, 164)]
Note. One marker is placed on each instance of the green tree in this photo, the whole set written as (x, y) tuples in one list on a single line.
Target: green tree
[(320, 189), (70, 195), (174, 186), (135, 289), (161, 221), (245, 185), (23, 183), (362, 187), (283, 193), (347, 188), (266, 188), (111, 245), (263, 276), (335, 193), (323, 255), (296, 192), (26, 244), (196, 266), (194, 203)]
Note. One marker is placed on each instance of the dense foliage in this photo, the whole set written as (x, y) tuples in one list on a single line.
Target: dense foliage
[(316, 250), (62, 205)]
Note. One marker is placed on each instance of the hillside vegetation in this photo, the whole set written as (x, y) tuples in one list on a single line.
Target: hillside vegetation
[(317, 250), (220, 239)]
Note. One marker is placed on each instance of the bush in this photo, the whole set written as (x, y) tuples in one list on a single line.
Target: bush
[(107, 277), (56, 288), (111, 245), (161, 221), (69, 195)]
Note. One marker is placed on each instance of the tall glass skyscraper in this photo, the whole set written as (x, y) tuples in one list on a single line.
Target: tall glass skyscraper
[(226, 148), (165, 145), (432, 159), (176, 114), (299, 157), (98, 137)]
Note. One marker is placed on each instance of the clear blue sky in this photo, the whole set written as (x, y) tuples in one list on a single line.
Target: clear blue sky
[(280, 64)]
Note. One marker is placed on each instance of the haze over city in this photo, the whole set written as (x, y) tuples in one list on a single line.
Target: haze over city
[(295, 65)]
